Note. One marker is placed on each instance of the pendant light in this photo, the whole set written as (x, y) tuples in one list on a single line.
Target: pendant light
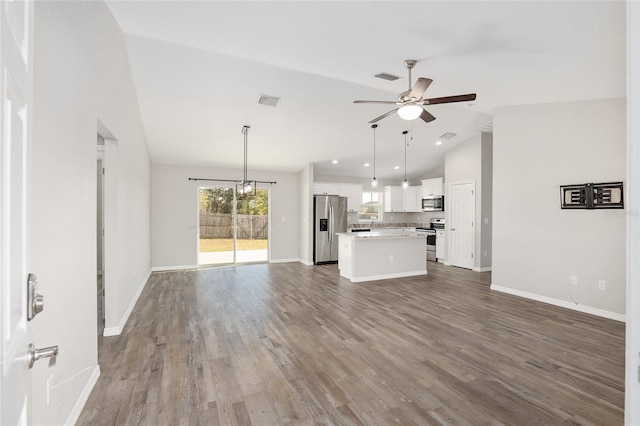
[(405, 182), (245, 186), (374, 182)]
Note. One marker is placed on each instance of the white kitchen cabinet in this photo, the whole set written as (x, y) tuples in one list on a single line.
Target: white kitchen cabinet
[(433, 187), (398, 199), (409, 199), (326, 188), (353, 192), (354, 196), (393, 201), (440, 244)]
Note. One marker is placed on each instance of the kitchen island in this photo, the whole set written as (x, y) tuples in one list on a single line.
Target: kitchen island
[(379, 255)]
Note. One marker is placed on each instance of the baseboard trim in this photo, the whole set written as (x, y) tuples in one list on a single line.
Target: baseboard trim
[(173, 268), (83, 397), (304, 262), (562, 303), (387, 276), (285, 260), (115, 331), (482, 269)]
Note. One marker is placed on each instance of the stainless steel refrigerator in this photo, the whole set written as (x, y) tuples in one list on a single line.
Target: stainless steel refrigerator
[(329, 217)]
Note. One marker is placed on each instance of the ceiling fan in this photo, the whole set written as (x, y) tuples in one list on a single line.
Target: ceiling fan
[(411, 102)]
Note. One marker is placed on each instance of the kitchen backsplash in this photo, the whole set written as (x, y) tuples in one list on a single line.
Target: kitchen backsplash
[(395, 220)]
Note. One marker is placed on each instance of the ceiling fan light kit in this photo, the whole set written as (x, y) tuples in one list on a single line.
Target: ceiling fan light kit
[(411, 103), (410, 111)]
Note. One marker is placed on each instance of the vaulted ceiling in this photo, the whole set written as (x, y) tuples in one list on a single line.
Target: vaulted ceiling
[(199, 68)]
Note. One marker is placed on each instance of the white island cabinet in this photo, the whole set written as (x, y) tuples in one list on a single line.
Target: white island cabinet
[(369, 256)]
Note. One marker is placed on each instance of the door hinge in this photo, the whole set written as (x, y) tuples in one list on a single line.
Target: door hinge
[(472, 255), (103, 170)]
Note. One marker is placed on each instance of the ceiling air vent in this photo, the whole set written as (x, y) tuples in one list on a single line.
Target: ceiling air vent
[(387, 76), (268, 100), (448, 135)]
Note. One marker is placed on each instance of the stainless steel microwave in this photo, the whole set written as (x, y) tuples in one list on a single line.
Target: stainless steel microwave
[(433, 204)]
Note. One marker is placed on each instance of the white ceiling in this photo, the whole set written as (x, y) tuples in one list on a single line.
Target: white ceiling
[(199, 68)]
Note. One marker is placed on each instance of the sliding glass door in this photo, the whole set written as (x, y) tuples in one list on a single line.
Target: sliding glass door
[(232, 228), (252, 226)]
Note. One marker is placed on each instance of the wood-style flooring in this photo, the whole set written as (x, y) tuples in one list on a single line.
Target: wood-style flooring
[(288, 344)]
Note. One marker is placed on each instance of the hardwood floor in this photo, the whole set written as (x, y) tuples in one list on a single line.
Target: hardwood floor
[(288, 344)]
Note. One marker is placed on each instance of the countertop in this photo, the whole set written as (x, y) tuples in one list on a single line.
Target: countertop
[(384, 233)]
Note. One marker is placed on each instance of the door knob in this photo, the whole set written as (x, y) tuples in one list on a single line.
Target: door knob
[(453, 229), (35, 301), (34, 354)]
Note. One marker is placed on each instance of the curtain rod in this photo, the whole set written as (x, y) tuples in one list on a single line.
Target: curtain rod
[(231, 180)]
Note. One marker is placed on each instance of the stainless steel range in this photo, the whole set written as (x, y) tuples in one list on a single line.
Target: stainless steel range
[(431, 242), (435, 225), (438, 226)]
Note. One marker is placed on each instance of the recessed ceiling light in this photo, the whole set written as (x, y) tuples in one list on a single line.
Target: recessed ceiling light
[(438, 142), (335, 161), (396, 167), (367, 164)]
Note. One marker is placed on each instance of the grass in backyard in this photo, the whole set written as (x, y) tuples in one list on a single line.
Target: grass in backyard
[(226, 244)]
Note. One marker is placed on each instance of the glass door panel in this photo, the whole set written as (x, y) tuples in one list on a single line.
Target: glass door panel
[(216, 237), (252, 225)]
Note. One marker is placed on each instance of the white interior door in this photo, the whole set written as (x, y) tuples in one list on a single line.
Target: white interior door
[(16, 19), (462, 224)]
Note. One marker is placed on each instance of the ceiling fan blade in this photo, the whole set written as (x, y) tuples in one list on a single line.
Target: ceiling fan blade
[(450, 99), (375, 120), (419, 88), (426, 116), (375, 102)]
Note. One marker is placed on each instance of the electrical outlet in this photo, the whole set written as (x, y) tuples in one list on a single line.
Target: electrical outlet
[(390, 258), (573, 280), (602, 285), (485, 253)]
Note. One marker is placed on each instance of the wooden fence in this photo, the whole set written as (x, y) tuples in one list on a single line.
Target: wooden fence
[(220, 225)]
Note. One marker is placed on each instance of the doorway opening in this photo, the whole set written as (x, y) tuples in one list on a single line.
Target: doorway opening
[(232, 228), (100, 235)]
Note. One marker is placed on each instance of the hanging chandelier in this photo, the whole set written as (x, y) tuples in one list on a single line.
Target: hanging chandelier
[(246, 186)]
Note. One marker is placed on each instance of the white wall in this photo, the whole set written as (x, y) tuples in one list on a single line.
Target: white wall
[(81, 75), (536, 244), (464, 163), (306, 221), (486, 207), (632, 365), (174, 206)]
